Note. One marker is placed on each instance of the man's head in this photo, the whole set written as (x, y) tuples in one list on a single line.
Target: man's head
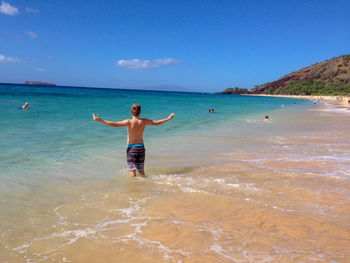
[(135, 110)]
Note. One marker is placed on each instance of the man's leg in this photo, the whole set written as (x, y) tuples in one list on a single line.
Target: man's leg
[(140, 161), (130, 160), (132, 173)]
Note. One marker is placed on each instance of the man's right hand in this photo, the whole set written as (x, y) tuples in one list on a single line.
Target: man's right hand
[(96, 118), (171, 116)]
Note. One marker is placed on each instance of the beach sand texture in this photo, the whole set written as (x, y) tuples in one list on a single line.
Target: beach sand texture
[(341, 101), (281, 194)]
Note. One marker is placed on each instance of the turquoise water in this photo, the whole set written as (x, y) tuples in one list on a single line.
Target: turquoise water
[(58, 128), (224, 186)]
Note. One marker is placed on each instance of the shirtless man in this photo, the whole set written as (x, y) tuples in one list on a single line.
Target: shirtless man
[(136, 151)]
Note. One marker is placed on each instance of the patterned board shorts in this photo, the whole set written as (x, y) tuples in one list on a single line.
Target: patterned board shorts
[(135, 156)]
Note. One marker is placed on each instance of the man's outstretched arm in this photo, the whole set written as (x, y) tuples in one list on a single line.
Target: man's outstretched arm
[(110, 123), (159, 122)]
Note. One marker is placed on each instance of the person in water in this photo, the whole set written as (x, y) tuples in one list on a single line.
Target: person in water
[(266, 118), (25, 106), (136, 151)]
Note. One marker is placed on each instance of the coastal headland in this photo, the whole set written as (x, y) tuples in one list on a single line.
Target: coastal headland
[(329, 78)]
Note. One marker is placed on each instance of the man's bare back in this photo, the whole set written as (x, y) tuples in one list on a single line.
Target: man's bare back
[(136, 127)]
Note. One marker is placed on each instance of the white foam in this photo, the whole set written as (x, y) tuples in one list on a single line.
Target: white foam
[(283, 209), (190, 190), (254, 121), (113, 222), (152, 244), (243, 186), (62, 219), (219, 180), (203, 185), (21, 247), (337, 110), (219, 250), (234, 185)]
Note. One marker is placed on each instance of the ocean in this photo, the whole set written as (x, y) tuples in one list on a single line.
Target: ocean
[(220, 187)]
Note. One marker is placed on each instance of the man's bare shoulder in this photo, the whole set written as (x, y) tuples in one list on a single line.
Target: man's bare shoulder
[(125, 122), (146, 121)]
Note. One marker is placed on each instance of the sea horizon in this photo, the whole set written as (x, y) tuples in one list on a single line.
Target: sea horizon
[(145, 88)]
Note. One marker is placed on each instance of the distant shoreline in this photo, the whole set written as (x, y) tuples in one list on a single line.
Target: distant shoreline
[(39, 83), (342, 101)]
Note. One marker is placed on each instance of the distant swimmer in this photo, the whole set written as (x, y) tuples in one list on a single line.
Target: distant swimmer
[(209, 110), (135, 152), (266, 118), (212, 110), (25, 106)]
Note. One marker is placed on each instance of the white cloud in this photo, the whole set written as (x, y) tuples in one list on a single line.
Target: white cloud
[(145, 64), (31, 34), (8, 59), (8, 9), (40, 69), (31, 10)]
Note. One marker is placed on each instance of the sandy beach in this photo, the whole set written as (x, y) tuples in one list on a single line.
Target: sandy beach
[(341, 101)]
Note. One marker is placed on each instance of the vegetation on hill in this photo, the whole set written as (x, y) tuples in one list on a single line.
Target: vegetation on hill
[(235, 90), (330, 77), (310, 87)]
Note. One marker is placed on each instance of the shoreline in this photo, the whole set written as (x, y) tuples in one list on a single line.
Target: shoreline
[(341, 101)]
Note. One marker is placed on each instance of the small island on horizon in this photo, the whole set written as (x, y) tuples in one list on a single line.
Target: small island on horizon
[(39, 83)]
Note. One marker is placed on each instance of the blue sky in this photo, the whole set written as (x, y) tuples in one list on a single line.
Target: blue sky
[(195, 45)]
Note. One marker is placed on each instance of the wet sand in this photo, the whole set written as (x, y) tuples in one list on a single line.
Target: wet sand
[(281, 194)]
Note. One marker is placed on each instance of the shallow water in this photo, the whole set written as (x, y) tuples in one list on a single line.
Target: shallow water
[(236, 189)]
